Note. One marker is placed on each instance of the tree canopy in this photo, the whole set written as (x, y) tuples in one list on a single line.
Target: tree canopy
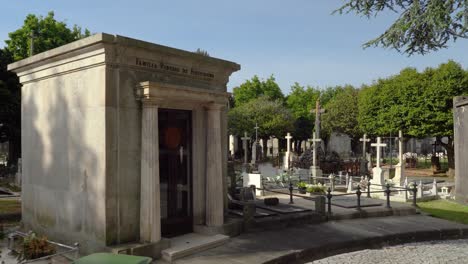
[(256, 87), (342, 112), (423, 25), (272, 117), (47, 33)]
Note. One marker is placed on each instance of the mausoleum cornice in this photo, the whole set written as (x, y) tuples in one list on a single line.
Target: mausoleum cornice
[(157, 93)]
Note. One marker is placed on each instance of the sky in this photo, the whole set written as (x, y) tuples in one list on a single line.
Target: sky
[(296, 41)]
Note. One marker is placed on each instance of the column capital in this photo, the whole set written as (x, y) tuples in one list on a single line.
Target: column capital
[(215, 106)]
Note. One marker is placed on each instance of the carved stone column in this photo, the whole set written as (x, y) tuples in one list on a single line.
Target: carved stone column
[(150, 203), (214, 167)]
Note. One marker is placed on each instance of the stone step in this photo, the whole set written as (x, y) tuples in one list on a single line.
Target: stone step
[(192, 243)]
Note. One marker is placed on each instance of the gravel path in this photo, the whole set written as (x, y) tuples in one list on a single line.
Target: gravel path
[(434, 252)]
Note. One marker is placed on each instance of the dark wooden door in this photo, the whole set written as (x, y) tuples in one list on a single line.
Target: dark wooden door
[(175, 168)]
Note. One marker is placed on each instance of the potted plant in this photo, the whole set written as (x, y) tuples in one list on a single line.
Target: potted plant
[(302, 187), (316, 189)]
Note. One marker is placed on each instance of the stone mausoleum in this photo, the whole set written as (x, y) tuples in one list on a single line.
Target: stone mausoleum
[(123, 141)]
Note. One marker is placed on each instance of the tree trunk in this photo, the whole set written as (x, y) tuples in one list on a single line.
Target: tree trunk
[(450, 154)]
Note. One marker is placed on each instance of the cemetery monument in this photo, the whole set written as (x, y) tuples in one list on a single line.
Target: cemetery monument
[(124, 141)]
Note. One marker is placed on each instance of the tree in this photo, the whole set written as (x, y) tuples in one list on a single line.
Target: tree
[(254, 88), (47, 33), (342, 112), (271, 116), (443, 83), (300, 102), (418, 103), (423, 25), (10, 108)]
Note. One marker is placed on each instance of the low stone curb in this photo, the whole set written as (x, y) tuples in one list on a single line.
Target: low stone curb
[(352, 245)]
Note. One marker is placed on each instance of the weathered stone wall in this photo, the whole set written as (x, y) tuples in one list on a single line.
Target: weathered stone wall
[(63, 153), (461, 148)]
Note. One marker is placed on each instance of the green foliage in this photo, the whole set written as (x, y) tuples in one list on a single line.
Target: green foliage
[(423, 26), (272, 118), (342, 112), (254, 88), (48, 34), (301, 101), (301, 184), (418, 103), (202, 52), (316, 188), (35, 247)]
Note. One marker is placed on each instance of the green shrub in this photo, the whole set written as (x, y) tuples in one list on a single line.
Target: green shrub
[(316, 189)]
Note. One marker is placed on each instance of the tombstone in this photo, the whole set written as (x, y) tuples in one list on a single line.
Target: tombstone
[(303, 145), (377, 172), (420, 189), (232, 145), (341, 144), (400, 167), (364, 161), (275, 147), (249, 179), (269, 147), (434, 187), (254, 153), (350, 185), (287, 156), (307, 144), (245, 138), (370, 165), (19, 173), (98, 115)]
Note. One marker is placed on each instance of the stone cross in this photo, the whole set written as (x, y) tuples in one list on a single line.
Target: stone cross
[(256, 132), (318, 112), (314, 149), (400, 148), (364, 141), (288, 138), (244, 145), (288, 150), (378, 145)]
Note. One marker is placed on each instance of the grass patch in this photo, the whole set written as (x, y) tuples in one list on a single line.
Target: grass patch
[(10, 206), (446, 210)]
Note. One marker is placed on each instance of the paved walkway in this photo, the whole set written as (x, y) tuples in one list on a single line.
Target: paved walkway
[(434, 252), (311, 242)]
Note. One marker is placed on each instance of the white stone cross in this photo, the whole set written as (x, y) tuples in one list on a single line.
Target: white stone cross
[(400, 148), (288, 138), (378, 145), (244, 145), (364, 141), (314, 149), (256, 132)]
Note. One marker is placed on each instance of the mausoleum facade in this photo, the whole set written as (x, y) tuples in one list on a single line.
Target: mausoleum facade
[(122, 141)]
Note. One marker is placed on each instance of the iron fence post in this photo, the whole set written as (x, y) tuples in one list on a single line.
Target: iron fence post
[(291, 193), (387, 191), (415, 192), (368, 188), (358, 193), (329, 196)]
